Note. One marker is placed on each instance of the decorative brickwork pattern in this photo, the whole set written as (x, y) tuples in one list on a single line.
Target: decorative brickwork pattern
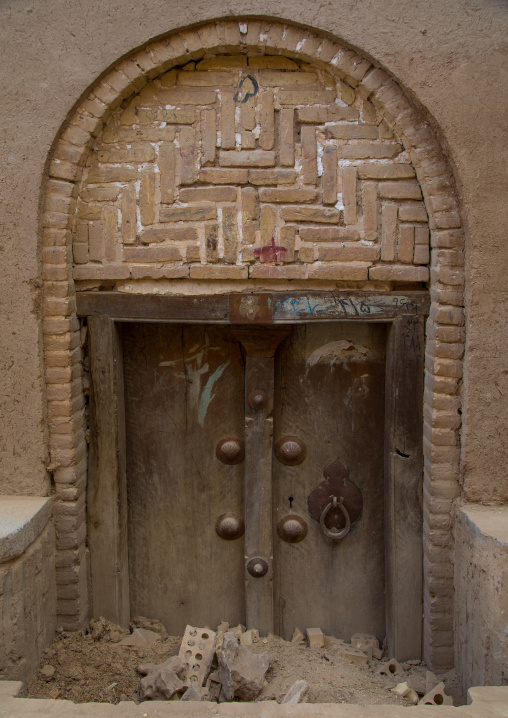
[(253, 150), (269, 166)]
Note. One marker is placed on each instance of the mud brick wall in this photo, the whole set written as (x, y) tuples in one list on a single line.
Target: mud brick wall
[(27, 607), (249, 165)]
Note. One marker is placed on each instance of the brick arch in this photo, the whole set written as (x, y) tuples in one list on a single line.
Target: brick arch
[(361, 85)]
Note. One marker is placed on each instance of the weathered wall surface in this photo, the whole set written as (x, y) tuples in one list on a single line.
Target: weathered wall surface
[(456, 70), (481, 606)]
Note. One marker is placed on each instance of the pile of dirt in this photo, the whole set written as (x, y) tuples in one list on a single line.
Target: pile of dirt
[(94, 667)]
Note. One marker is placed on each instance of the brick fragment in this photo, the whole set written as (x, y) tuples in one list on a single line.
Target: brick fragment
[(248, 114), (270, 271), (197, 213), (147, 196), (319, 115), (287, 243), (349, 194), (214, 271), (267, 225), (208, 194), (228, 139), (272, 62), (306, 97), (205, 79), (212, 242), (388, 232), (248, 141), (96, 241), (370, 210), (249, 229), (328, 234), (220, 61), (99, 194), (406, 244), (347, 93), (187, 155), (347, 253), (167, 172), (325, 215), (400, 190), (185, 96), (399, 273), (216, 175), (163, 114), (345, 271), (351, 131), (413, 213), (371, 150), (271, 177), (152, 254), (80, 253), (267, 133), (247, 158), (111, 174), (230, 233), (129, 154), (287, 195), (330, 164), (208, 135), (274, 78), (100, 271), (249, 205), (309, 154), (129, 219), (286, 134), (385, 171), (148, 272), (421, 254), (175, 234)]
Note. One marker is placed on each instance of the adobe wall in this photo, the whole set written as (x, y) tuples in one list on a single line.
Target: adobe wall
[(451, 73)]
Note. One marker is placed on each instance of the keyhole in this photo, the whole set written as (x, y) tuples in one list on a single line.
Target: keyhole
[(290, 499)]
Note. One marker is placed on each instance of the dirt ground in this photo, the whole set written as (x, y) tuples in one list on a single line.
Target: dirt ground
[(92, 667)]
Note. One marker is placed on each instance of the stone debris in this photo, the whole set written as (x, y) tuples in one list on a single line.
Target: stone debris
[(430, 681), (47, 672), (237, 630), (241, 672), (221, 630), (196, 653), (191, 694), (298, 636), (315, 637), (404, 690), (364, 641), (162, 681), (297, 693), (392, 669), (140, 638), (249, 637), (355, 655), (416, 680), (436, 697)]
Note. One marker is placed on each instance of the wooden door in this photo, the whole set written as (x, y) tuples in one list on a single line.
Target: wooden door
[(329, 392), (185, 390), (183, 393)]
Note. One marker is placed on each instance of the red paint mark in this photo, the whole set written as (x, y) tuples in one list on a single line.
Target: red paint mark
[(270, 252)]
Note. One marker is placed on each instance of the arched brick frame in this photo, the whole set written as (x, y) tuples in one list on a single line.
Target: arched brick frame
[(445, 327)]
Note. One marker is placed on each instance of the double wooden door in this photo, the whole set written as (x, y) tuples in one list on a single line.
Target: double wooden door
[(292, 402)]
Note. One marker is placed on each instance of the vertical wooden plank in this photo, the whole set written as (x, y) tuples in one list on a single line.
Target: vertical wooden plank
[(403, 487), (258, 494), (260, 344), (107, 492)]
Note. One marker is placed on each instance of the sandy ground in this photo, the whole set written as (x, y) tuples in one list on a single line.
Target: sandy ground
[(91, 666)]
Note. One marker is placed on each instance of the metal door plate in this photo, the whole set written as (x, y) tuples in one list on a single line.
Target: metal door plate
[(336, 483)]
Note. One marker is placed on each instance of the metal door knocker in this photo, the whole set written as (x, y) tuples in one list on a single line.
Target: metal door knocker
[(334, 533), (335, 503)]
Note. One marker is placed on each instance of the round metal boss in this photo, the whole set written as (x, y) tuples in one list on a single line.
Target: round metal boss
[(258, 399), (230, 450), (290, 450), (230, 526), (292, 528), (257, 567)]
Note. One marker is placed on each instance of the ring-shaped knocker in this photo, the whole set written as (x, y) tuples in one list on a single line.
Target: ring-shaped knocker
[(334, 504)]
